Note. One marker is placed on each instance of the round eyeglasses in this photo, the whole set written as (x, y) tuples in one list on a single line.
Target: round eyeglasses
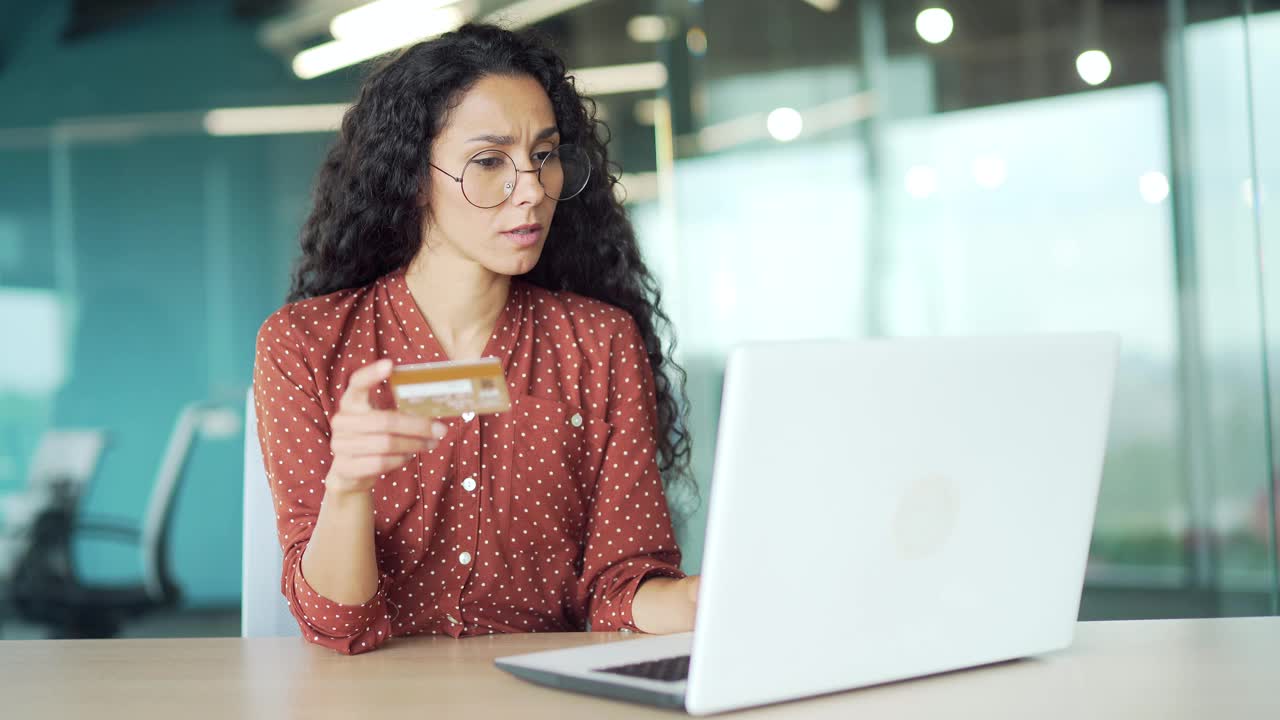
[(489, 177)]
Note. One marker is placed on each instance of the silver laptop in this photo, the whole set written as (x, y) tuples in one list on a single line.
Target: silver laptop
[(879, 510)]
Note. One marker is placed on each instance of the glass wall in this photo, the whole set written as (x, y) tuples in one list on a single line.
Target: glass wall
[(140, 249), (145, 264), (1040, 167), (795, 169), (1259, 193)]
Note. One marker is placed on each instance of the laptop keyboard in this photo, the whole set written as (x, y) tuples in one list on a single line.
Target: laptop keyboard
[(672, 669)]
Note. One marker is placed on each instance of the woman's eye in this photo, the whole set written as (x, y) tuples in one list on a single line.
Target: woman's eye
[(541, 156), (488, 163)]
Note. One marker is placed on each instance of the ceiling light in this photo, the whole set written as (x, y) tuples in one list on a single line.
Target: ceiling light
[(648, 28), (1153, 187), (612, 79), (1094, 66), (696, 41), (280, 119), (527, 12), (384, 16), (934, 25), (785, 124), (330, 56)]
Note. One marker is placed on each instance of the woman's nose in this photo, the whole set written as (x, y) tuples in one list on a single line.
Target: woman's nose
[(528, 189)]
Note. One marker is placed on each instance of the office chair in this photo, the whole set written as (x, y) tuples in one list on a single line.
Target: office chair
[(263, 610), (63, 463), (47, 588)]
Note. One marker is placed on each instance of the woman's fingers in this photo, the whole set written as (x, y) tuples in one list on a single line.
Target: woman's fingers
[(388, 422), (356, 397), (368, 444)]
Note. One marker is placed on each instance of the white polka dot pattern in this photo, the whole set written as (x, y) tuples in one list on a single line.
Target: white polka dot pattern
[(544, 518)]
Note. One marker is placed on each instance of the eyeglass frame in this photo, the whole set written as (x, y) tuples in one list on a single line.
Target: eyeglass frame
[(519, 172)]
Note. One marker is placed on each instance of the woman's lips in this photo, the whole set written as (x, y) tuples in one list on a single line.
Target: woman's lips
[(524, 236)]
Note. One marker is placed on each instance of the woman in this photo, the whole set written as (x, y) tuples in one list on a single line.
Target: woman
[(432, 238)]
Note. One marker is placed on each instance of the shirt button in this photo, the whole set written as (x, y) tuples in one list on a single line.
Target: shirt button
[(576, 420), (465, 558), (624, 630), (469, 484), (452, 619), (468, 416)]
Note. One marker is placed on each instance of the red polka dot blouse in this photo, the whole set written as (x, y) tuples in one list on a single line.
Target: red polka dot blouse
[(543, 518)]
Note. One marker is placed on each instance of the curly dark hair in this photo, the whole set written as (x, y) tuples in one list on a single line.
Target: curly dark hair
[(366, 221)]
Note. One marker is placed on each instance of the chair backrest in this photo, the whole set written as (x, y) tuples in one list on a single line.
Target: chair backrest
[(64, 461), (68, 455), (158, 520), (263, 610)]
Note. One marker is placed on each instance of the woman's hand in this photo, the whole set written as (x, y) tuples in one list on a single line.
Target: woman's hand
[(666, 605), (367, 442)]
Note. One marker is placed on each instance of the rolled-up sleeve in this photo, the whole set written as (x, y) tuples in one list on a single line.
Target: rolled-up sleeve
[(629, 533), (293, 429)]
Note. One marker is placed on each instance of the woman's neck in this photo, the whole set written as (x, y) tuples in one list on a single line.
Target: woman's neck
[(460, 299)]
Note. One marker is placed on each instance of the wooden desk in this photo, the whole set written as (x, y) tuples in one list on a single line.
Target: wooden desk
[(1169, 669)]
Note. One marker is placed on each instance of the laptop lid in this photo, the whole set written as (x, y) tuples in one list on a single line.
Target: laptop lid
[(887, 509)]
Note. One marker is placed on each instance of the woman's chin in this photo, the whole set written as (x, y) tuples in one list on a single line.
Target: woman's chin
[(517, 264)]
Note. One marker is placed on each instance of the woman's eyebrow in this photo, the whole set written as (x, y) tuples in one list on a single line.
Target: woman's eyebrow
[(508, 140)]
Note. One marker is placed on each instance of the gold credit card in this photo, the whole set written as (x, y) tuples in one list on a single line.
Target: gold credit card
[(449, 389)]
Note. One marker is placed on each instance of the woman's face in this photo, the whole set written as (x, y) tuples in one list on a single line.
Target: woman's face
[(508, 113)]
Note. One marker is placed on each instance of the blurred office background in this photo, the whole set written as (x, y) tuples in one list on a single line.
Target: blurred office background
[(796, 168)]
